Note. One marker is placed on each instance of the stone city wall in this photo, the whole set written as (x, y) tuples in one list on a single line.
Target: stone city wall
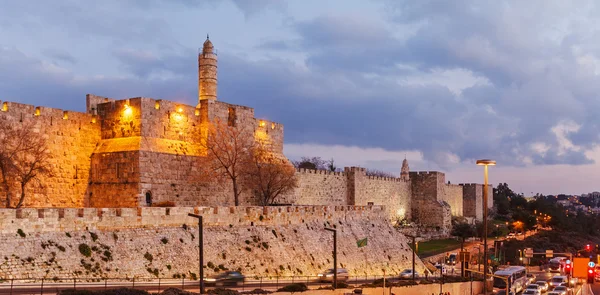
[(453, 195), (393, 193), (162, 242), (318, 187), (71, 138)]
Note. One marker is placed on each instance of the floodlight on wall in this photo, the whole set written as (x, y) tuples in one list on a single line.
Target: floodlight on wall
[(127, 111), (272, 125), (37, 111), (180, 110), (261, 123), (157, 105), (197, 111), (65, 115), (93, 118), (5, 106)]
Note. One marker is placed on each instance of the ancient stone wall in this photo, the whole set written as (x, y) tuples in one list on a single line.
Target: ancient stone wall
[(433, 214), (115, 178), (393, 193), (453, 195), (473, 200), (429, 206), (318, 187), (150, 242), (71, 138)]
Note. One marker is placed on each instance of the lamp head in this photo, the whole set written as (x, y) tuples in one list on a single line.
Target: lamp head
[(486, 162)]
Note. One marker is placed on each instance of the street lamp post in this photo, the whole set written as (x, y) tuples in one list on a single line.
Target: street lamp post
[(200, 250), (413, 256), (485, 163), (334, 256)]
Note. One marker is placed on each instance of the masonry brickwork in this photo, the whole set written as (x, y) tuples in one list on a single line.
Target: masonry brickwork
[(140, 151), (263, 241)]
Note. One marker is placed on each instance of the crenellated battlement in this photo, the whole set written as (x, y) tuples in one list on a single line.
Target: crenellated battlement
[(392, 179), (425, 173), (355, 169), (323, 172), (72, 219), (27, 111)]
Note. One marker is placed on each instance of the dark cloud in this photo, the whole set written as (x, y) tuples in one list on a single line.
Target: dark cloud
[(354, 86)]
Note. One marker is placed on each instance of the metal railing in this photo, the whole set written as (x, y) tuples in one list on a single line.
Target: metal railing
[(54, 285)]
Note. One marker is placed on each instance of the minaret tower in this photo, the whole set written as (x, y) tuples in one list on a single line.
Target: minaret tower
[(207, 72), (404, 172)]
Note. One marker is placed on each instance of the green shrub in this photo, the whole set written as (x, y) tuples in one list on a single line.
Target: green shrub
[(21, 233), (221, 291), (265, 245), (298, 287), (148, 256), (247, 242), (85, 250), (194, 276), (115, 237)]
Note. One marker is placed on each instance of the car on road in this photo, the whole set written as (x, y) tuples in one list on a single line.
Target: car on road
[(534, 287), (407, 274), (543, 285), (530, 278), (226, 278), (568, 286), (554, 293), (562, 290), (532, 292), (327, 276), (557, 280), (503, 292), (451, 260)]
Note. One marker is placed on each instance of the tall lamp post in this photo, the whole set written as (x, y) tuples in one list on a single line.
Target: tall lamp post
[(200, 250), (413, 256), (334, 256), (485, 163)]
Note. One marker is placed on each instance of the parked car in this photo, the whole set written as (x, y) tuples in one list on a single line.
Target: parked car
[(407, 274), (532, 292), (226, 278), (327, 276), (543, 285)]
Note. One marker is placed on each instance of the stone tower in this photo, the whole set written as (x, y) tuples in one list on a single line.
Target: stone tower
[(207, 72), (404, 172)]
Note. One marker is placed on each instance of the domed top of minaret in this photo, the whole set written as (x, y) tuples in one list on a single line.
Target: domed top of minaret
[(404, 172), (208, 46)]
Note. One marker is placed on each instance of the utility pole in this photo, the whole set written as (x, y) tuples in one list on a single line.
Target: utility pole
[(334, 256), (414, 243), (200, 250)]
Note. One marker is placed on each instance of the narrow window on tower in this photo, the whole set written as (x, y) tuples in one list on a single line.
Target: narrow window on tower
[(231, 118)]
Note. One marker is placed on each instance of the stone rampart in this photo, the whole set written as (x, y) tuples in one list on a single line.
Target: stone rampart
[(71, 138), (162, 242), (73, 219), (453, 195)]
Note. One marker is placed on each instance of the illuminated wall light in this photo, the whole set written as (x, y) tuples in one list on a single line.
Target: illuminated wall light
[(94, 119), (261, 123), (272, 125), (65, 115), (5, 106), (180, 110), (37, 111), (197, 112), (157, 105)]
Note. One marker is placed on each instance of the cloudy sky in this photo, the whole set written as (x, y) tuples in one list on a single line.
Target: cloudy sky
[(364, 82)]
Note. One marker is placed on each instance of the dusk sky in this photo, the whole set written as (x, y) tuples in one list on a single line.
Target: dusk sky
[(365, 82)]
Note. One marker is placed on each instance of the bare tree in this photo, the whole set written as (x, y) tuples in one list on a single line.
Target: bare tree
[(228, 151), (269, 175), (24, 157), (314, 163), (379, 173)]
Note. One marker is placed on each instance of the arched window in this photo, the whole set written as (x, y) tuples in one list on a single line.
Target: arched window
[(148, 198)]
